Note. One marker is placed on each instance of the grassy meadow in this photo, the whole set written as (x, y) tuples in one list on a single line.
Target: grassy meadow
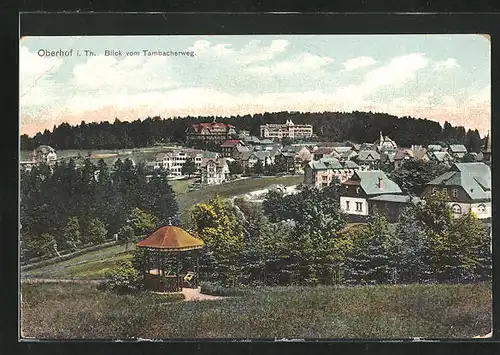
[(92, 265), (226, 190), (79, 311)]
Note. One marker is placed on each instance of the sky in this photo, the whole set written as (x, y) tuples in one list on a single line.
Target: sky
[(439, 77)]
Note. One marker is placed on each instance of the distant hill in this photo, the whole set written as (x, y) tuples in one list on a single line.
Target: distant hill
[(357, 127)]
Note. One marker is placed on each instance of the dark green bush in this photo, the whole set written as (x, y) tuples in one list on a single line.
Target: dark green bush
[(125, 279)]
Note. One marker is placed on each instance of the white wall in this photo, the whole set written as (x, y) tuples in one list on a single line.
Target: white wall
[(352, 205)]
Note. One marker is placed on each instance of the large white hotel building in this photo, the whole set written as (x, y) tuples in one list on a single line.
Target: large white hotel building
[(286, 130)]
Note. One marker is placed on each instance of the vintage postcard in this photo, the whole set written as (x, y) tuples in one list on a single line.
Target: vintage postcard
[(255, 186)]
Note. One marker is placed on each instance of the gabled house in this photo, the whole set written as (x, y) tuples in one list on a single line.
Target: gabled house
[(227, 146), (369, 158), (174, 161), (440, 157), (434, 148), (467, 187), (387, 158), (322, 172), (457, 151), (44, 154), (321, 152), (403, 155), (286, 160), (214, 171), (238, 150), (356, 192), (264, 157), (200, 134)]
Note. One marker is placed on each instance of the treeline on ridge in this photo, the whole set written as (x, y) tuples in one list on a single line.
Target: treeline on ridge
[(357, 127)]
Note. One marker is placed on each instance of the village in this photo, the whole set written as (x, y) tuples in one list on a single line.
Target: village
[(216, 153)]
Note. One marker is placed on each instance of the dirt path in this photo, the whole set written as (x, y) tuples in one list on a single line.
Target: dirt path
[(194, 294)]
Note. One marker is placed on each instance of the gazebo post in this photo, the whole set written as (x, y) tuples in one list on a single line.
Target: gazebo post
[(197, 268), (178, 271)]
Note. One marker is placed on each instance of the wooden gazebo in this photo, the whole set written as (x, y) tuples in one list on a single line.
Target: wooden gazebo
[(171, 241)]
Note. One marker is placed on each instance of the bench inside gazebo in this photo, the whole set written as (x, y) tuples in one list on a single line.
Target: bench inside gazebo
[(162, 269)]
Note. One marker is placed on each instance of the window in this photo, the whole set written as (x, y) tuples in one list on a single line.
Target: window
[(456, 209), (455, 192), (434, 190), (347, 205), (481, 208), (358, 190), (359, 207), (347, 187), (445, 191)]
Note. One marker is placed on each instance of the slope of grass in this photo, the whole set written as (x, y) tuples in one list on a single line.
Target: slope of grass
[(91, 265), (231, 189), (430, 311)]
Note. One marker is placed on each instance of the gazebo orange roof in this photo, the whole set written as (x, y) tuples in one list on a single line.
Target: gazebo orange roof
[(171, 238)]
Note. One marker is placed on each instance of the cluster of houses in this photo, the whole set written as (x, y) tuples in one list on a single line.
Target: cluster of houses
[(364, 185), (467, 186)]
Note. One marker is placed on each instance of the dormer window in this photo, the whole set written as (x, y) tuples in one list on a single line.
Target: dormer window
[(358, 190)]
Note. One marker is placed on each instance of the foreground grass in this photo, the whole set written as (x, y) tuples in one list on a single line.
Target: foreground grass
[(430, 311), (91, 265)]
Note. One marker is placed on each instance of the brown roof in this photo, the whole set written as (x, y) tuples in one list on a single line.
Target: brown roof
[(171, 238)]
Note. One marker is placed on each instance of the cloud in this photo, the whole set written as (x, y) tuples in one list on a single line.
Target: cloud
[(302, 63), (136, 73), (35, 83), (254, 51), (449, 63), (359, 62)]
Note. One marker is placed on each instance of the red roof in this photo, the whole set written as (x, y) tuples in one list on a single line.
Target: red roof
[(171, 238), (231, 143)]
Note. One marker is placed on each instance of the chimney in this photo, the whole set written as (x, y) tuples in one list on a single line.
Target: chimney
[(380, 182)]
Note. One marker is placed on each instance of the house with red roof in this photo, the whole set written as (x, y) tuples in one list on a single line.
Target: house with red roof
[(215, 133)]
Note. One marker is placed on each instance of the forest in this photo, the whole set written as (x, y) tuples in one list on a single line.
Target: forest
[(357, 127), (67, 206)]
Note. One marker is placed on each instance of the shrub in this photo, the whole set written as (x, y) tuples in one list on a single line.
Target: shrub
[(125, 279), (218, 289)]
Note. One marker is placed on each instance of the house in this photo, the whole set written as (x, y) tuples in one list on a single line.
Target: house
[(384, 144), (174, 161), (391, 206), (467, 187), (356, 192), (322, 172), (434, 148), (321, 152), (457, 151), (263, 156), (44, 154), (440, 157), (204, 134), (368, 158), (238, 150), (227, 146), (286, 160), (403, 155), (214, 171), (286, 130), (387, 158)]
